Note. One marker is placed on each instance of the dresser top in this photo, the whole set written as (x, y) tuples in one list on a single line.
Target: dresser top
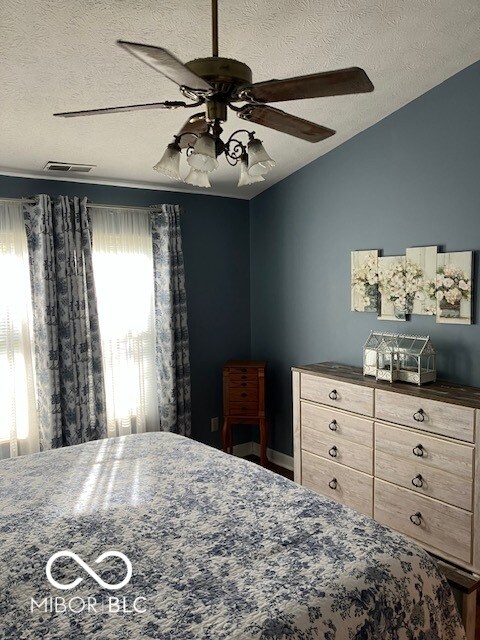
[(440, 390)]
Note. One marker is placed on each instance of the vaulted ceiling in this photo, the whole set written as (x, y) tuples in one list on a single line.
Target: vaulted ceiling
[(59, 55)]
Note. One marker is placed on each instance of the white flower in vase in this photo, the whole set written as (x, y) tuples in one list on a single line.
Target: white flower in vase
[(453, 286)]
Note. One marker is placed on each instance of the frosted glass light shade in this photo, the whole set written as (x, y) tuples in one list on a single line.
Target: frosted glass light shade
[(204, 157), (259, 162), (245, 177), (198, 178), (169, 164)]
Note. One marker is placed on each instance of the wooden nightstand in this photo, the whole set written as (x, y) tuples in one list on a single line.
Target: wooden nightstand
[(244, 400)]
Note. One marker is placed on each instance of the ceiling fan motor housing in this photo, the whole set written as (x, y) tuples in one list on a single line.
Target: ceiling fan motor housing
[(225, 75)]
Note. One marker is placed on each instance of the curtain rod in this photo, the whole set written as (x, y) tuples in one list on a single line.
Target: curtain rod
[(19, 200), (92, 205), (89, 204)]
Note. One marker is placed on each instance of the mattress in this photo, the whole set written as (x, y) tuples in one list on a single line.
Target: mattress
[(158, 536)]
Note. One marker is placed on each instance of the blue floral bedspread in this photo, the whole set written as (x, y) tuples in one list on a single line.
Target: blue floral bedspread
[(219, 548)]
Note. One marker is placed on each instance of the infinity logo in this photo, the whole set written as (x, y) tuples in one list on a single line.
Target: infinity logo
[(91, 572)]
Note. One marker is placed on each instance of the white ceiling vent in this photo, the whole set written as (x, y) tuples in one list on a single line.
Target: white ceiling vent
[(66, 167)]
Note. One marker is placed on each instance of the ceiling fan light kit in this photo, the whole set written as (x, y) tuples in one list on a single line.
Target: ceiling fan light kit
[(169, 164), (204, 155), (198, 178), (219, 84), (259, 162), (246, 178)]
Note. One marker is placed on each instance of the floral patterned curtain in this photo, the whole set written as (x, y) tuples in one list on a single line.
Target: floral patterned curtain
[(69, 377), (172, 345)]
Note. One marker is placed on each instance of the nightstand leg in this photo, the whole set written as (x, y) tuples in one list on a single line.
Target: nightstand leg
[(263, 442), (226, 436), (469, 613), (230, 438)]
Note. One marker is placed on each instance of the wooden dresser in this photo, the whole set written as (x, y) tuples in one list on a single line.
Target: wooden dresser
[(405, 455), (244, 400)]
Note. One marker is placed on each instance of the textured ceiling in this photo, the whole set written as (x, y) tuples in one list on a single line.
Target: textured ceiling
[(59, 55)]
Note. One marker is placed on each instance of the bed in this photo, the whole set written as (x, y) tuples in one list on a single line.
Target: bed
[(219, 548)]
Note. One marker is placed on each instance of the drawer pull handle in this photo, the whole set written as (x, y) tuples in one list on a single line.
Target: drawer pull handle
[(333, 426), (418, 451), (416, 519), (243, 384), (244, 395), (419, 416), (333, 395), (333, 452), (333, 483), (244, 377), (418, 481), (243, 370)]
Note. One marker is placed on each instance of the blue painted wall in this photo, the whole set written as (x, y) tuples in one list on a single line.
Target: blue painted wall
[(413, 179), (215, 242)]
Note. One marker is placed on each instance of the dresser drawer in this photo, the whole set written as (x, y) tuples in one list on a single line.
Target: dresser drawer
[(424, 480), (334, 393), (243, 408), (429, 415), (440, 526), (329, 421), (337, 449), (240, 394), (352, 488), (425, 451)]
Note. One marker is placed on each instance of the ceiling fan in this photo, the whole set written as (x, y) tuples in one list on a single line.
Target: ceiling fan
[(220, 84)]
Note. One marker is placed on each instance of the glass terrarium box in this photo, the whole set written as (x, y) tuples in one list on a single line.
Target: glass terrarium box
[(392, 357)]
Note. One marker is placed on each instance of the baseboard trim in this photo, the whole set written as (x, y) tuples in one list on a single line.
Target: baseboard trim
[(243, 450), (253, 448)]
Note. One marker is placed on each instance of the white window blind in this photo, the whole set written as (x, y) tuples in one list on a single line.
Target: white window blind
[(123, 270), (18, 416)]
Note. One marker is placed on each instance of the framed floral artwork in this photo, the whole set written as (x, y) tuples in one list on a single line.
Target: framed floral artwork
[(421, 271), (392, 288), (453, 287), (365, 281)]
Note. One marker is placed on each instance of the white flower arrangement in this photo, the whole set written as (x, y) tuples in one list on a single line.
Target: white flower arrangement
[(365, 281), (366, 274), (401, 282), (452, 285)]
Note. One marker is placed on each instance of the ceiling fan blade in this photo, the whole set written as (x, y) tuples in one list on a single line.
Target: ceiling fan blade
[(316, 85), (284, 122), (195, 124), (130, 107), (167, 64)]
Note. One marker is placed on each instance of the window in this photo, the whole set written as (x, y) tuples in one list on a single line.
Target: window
[(123, 270), (18, 418)]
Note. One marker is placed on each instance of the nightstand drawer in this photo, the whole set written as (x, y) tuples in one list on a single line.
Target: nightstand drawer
[(251, 377), (352, 488), (241, 383), (425, 451), (243, 394), (250, 372), (334, 393), (329, 421), (243, 408), (424, 480), (445, 419), (337, 449), (432, 522)]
